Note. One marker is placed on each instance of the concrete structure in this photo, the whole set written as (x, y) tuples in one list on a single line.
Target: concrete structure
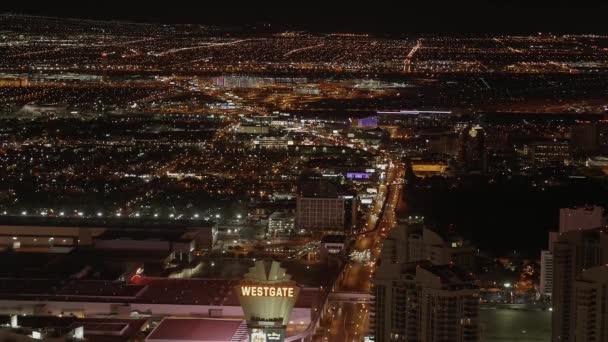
[(570, 219), (33, 232), (550, 152), (585, 139), (575, 253), (580, 218), (425, 168), (598, 162), (271, 142), (332, 244), (142, 295), (70, 328), (413, 242), (253, 129), (424, 302), (144, 241), (281, 222), (591, 309), (472, 150), (199, 329), (267, 295), (546, 273), (324, 214)]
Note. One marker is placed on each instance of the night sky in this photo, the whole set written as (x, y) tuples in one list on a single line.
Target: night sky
[(395, 17)]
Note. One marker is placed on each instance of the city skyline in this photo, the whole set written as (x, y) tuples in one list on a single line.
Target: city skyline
[(271, 173)]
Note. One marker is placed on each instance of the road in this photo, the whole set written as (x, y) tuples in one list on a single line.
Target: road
[(347, 321), (357, 276)]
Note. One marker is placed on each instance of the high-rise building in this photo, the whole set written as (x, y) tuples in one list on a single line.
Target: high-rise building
[(324, 214), (424, 302), (591, 307), (419, 300), (570, 219), (472, 153), (580, 218), (321, 207), (575, 253), (414, 242), (546, 273), (585, 139)]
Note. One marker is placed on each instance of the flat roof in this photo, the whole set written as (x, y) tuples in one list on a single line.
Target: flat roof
[(96, 329), (333, 238), (105, 222), (141, 235), (147, 290), (198, 329)]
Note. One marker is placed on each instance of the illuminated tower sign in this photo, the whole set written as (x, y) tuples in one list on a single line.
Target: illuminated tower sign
[(267, 295)]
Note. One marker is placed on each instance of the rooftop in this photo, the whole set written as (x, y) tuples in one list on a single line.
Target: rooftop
[(199, 329)]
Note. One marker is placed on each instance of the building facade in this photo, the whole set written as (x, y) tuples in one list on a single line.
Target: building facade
[(580, 218), (425, 302), (418, 300), (281, 222), (576, 253), (570, 219), (546, 273), (325, 214), (414, 242)]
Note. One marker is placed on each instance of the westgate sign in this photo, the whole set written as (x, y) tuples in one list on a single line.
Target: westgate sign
[(267, 291)]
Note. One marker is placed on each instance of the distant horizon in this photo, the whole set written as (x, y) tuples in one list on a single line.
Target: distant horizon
[(482, 18)]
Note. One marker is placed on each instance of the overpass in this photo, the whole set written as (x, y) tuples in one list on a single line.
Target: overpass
[(357, 297)]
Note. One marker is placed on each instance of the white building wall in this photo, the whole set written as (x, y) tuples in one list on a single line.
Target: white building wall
[(546, 273)]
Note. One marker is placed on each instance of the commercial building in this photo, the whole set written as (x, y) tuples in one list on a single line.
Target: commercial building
[(253, 129), (421, 292), (472, 151), (424, 302), (414, 242), (585, 139), (71, 328), (135, 240), (370, 122), (273, 143), (281, 222), (332, 244), (570, 219), (173, 329), (558, 152), (322, 207), (598, 162), (444, 144), (580, 218), (591, 305), (546, 273), (63, 234), (428, 167), (579, 286), (267, 295), (325, 214)]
